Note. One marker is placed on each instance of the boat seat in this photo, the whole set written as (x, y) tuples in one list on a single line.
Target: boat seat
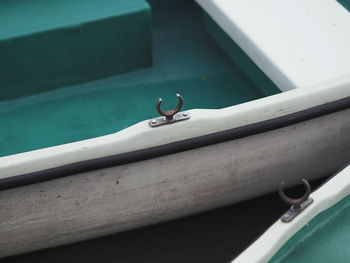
[(46, 44), (296, 43)]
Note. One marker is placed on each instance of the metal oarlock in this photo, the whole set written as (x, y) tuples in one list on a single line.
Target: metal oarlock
[(170, 116), (297, 204)]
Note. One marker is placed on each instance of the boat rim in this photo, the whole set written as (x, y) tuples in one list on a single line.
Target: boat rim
[(174, 147), (330, 192)]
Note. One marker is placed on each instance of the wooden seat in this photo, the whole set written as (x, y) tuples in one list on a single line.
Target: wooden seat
[(296, 43)]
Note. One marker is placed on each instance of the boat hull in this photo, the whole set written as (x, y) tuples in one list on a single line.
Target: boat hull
[(106, 201)]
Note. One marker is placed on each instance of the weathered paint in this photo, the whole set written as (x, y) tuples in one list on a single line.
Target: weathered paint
[(110, 200)]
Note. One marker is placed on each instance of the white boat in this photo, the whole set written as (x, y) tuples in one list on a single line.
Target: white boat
[(145, 174)]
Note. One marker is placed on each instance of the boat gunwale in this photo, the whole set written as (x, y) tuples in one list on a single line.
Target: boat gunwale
[(314, 190), (174, 147), (323, 202)]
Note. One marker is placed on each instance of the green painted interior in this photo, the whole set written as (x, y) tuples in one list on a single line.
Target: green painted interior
[(325, 239), (47, 44), (241, 58), (345, 3), (185, 60)]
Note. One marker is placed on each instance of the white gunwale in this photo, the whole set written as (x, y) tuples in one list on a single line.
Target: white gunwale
[(202, 122), (329, 194)]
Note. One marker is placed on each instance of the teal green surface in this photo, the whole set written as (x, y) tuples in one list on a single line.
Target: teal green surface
[(345, 3), (242, 60), (186, 60), (325, 239), (47, 44), (25, 17)]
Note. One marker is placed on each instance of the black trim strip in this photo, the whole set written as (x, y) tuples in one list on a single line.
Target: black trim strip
[(171, 148)]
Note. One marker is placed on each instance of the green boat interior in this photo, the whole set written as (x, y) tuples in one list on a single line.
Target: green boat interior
[(345, 3), (324, 239), (74, 70)]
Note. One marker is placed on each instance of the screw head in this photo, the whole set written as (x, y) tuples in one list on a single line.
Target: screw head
[(185, 114), (154, 121)]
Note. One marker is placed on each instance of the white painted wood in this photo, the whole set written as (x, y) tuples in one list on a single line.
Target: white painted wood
[(297, 43), (202, 122), (102, 202), (279, 233), (116, 199)]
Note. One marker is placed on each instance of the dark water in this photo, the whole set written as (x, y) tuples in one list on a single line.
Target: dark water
[(216, 236)]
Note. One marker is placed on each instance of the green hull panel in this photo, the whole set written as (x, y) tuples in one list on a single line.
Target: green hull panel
[(46, 44), (325, 239)]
